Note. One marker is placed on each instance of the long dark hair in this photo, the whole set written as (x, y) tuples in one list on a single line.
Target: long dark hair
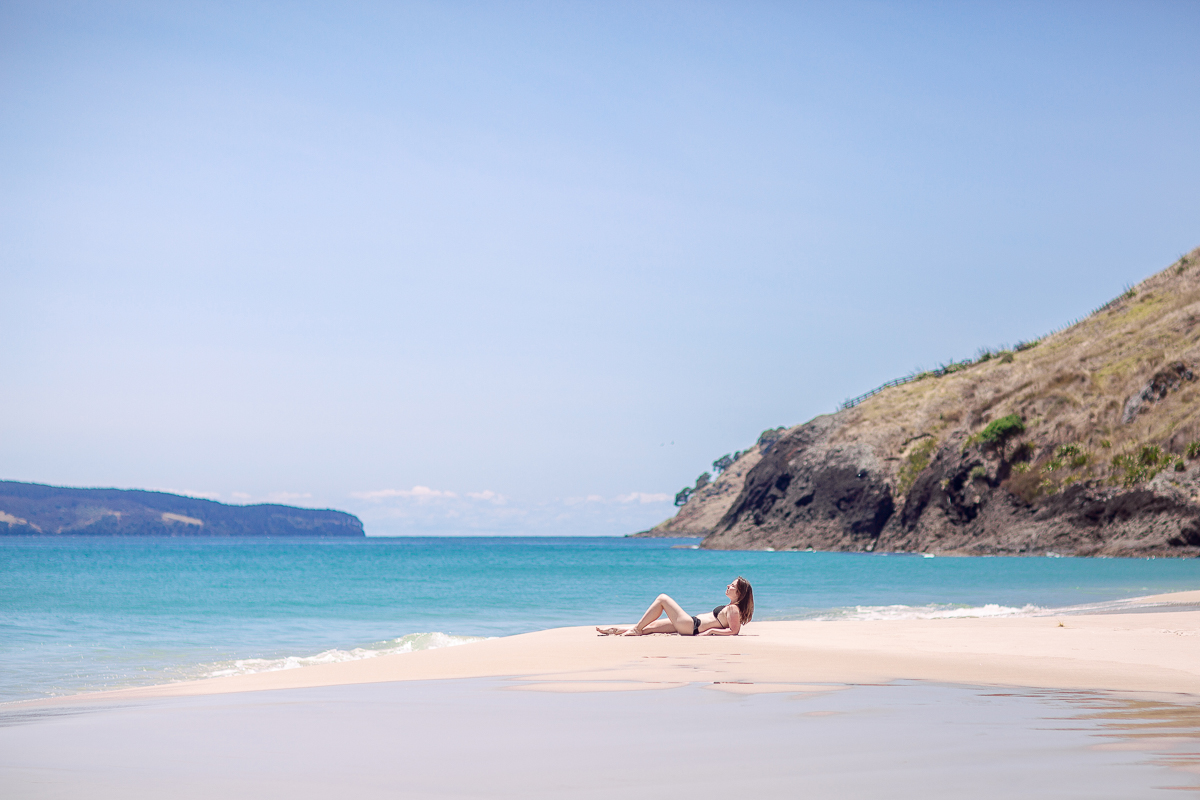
[(745, 601)]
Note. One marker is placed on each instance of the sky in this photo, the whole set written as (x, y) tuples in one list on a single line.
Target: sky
[(529, 268)]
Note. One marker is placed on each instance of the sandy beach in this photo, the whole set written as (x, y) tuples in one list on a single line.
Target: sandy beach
[(1149, 644), (1063, 705)]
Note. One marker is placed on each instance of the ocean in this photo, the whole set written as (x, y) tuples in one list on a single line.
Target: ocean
[(88, 613)]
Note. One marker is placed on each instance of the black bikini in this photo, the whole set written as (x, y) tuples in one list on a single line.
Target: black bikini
[(696, 620)]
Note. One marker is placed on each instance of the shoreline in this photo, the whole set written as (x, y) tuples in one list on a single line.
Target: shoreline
[(1141, 645)]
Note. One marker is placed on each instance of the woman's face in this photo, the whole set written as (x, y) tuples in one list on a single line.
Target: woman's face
[(731, 591)]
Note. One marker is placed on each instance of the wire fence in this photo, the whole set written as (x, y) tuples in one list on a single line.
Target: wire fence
[(955, 366), (853, 401)]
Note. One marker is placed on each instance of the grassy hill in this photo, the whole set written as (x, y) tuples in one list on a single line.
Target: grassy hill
[(1085, 442)]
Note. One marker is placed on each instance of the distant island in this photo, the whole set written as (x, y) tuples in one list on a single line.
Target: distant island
[(1085, 442), (36, 509)]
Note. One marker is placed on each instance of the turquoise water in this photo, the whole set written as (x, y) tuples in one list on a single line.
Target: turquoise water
[(86, 613)]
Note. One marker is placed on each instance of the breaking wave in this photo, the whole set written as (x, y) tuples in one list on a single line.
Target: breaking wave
[(405, 644)]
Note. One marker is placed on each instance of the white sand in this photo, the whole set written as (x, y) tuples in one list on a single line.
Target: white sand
[(1155, 651)]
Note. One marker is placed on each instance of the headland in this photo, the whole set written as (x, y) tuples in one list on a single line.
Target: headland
[(1084, 442)]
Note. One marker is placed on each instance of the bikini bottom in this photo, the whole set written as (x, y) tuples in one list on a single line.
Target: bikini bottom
[(695, 626)]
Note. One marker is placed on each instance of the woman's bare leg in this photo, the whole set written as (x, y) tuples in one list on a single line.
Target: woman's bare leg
[(658, 626), (663, 626), (679, 619)]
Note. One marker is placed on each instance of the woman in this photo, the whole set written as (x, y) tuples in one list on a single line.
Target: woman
[(726, 620)]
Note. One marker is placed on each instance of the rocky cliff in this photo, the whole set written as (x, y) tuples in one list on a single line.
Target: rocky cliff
[(706, 502), (32, 508), (1086, 442)]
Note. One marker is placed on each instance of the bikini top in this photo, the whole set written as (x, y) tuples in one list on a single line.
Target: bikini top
[(716, 612)]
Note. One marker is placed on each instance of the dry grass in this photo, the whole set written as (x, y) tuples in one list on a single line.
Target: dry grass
[(1071, 389)]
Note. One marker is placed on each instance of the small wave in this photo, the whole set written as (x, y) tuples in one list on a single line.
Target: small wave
[(1132, 605), (931, 611), (405, 644)]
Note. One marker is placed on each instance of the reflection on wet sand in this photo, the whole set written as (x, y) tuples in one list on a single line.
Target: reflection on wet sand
[(1171, 731), (1168, 730)]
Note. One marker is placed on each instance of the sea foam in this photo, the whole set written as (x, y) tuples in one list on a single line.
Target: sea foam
[(405, 644), (931, 611)]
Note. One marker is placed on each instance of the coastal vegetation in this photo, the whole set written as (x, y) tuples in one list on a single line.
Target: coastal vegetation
[(1085, 440), (915, 463)]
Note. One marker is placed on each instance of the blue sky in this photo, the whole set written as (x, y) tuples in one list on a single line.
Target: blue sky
[(531, 267)]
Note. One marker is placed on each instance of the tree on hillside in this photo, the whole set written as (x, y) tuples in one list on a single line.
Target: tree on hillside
[(1000, 432)]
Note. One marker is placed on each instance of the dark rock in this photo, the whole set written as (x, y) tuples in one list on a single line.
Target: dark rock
[(805, 492), (811, 491), (1157, 388)]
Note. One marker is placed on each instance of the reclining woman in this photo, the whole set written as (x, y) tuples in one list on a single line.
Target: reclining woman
[(726, 620)]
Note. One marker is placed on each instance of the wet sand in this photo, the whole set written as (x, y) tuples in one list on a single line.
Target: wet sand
[(478, 738), (1099, 704)]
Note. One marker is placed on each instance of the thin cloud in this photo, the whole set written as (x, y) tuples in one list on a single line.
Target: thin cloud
[(287, 497), (624, 499), (591, 498), (279, 498), (643, 497), (417, 492), (185, 493)]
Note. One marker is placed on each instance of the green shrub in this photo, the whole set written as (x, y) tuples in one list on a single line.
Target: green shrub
[(1180, 466), (998, 432), (1141, 466), (1151, 455), (1193, 449), (1052, 465), (1105, 443), (1021, 467), (1073, 454), (1006, 356), (978, 471)]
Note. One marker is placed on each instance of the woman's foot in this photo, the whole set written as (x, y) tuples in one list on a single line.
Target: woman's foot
[(609, 631), (633, 632)]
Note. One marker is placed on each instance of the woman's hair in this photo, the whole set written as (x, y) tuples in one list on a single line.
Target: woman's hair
[(745, 601)]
